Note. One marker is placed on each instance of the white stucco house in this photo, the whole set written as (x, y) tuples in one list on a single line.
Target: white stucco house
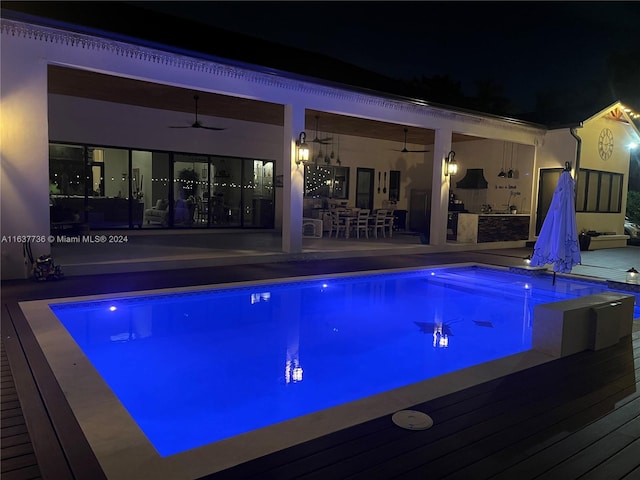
[(112, 99)]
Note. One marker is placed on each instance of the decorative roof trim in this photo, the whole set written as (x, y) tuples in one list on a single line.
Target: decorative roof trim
[(247, 74)]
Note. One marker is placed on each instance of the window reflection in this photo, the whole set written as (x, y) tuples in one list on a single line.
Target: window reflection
[(326, 181)]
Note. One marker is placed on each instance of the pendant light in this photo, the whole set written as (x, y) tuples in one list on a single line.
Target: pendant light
[(516, 172), (504, 151)]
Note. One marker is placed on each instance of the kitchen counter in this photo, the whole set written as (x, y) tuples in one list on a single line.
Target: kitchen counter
[(501, 214), (492, 227)]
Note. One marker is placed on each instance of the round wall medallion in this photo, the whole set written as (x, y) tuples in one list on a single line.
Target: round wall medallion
[(605, 144), (412, 420)]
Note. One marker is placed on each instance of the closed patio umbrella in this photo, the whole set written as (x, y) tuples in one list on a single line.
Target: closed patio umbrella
[(558, 243)]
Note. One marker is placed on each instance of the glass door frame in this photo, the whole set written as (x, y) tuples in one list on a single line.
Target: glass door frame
[(360, 173), (185, 214)]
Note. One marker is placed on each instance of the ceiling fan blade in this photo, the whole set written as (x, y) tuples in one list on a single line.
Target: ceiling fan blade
[(196, 123), (207, 128), (404, 150), (404, 147), (321, 141)]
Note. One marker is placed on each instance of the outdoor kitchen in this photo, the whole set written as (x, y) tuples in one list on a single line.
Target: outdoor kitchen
[(486, 204)]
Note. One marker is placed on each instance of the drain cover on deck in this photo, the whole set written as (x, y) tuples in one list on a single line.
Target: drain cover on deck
[(412, 420)]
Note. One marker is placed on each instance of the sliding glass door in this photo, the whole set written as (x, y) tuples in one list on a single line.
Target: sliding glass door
[(257, 194), (122, 188), (190, 190)]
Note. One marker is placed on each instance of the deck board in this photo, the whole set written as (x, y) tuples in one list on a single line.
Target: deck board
[(625, 460), (17, 458), (588, 458)]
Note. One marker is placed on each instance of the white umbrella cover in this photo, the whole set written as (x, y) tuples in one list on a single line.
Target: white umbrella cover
[(558, 240)]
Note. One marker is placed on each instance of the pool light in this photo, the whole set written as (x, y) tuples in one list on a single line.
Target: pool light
[(113, 308)]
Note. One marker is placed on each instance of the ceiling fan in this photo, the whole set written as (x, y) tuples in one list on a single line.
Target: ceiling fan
[(196, 123), (321, 141), (405, 150)]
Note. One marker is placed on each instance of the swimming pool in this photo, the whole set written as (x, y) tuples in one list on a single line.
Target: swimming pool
[(179, 371)]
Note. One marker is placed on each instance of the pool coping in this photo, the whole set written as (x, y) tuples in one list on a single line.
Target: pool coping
[(124, 452)]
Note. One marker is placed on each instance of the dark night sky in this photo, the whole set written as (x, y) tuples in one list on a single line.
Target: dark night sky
[(525, 47)]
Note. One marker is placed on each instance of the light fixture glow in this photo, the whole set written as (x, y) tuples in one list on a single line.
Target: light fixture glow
[(303, 151), (450, 165)]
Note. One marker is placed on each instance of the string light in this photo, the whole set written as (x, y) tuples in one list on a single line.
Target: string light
[(630, 112)]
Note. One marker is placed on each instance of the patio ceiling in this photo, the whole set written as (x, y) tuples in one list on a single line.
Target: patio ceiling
[(98, 86)]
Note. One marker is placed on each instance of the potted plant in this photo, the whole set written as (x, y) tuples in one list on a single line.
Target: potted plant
[(189, 186), (188, 180), (584, 239)]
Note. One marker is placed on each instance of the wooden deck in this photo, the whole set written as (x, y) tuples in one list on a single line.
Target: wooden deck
[(17, 459), (577, 417)]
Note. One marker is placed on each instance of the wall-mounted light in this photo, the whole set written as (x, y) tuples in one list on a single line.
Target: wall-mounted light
[(303, 152), (450, 165), (632, 276)]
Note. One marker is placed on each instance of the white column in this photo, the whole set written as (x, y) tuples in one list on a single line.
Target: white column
[(440, 189), (24, 158), (292, 181)]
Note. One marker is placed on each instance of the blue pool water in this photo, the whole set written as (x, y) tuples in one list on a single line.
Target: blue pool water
[(195, 368)]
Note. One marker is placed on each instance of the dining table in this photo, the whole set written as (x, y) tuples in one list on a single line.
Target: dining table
[(348, 215)]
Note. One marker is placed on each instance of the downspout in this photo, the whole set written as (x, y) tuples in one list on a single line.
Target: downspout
[(577, 163)]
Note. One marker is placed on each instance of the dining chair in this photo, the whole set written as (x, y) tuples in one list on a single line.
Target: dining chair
[(338, 224), (201, 210), (388, 222), (378, 222), (362, 222)]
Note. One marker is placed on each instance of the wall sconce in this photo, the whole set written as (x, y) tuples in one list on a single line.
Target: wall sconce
[(302, 149), (450, 165), (632, 276), (527, 260)]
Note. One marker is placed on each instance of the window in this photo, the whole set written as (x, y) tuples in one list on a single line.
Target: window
[(326, 181), (66, 170), (108, 187), (394, 185), (598, 191)]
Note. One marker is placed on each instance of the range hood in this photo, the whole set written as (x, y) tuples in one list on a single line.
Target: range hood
[(473, 180)]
